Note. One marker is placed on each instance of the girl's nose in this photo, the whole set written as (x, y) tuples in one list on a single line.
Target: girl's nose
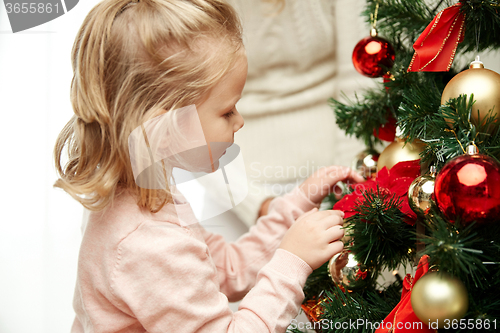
[(238, 121)]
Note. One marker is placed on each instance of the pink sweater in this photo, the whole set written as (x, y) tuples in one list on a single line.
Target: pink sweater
[(143, 272)]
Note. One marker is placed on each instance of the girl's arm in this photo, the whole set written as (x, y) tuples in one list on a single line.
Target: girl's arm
[(164, 278), (238, 263)]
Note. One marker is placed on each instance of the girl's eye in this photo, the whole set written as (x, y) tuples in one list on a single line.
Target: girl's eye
[(229, 114)]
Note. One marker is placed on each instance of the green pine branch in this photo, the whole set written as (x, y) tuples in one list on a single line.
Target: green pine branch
[(401, 22), (482, 22), (472, 254), (448, 131), (343, 308), (361, 117), (381, 237), (454, 248)]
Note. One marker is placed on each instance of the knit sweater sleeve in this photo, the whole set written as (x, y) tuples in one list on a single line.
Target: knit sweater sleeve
[(165, 278), (239, 262)]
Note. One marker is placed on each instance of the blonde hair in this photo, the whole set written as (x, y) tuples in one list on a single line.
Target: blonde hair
[(133, 61)]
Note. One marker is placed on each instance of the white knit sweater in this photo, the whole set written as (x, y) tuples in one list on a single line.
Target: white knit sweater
[(298, 59)]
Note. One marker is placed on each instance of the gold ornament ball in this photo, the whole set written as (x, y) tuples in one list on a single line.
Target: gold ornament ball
[(483, 83), (398, 152), (343, 269), (437, 296), (420, 194), (365, 163)]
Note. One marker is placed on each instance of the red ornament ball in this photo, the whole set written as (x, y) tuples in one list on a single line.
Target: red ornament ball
[(387, 131), (373, 56), (469, 187)]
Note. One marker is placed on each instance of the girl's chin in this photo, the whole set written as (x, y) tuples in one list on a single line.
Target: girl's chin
[(195, 166), (207, 168), (215, 166)]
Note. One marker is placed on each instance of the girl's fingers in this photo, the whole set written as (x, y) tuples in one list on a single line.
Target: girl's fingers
[(332, 220), (339, 213), (306, 214), (314, 210), (325, 215), (338, 196), (335, 247), (334, 233), (324, 219), (356, 177), (335, 169), (337, 173)]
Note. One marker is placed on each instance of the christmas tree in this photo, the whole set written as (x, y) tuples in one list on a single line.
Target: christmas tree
[(431, 201)]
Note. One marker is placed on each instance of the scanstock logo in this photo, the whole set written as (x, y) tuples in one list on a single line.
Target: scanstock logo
[(26, 14)]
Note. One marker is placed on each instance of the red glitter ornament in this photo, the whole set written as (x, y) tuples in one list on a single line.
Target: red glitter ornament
[(373, 56), (469, 187)]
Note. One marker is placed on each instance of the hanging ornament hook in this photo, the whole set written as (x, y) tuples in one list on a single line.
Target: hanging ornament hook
[(432, 171), (373, 19), (477, 63), (478, 33), (472, 149), (456, 137)]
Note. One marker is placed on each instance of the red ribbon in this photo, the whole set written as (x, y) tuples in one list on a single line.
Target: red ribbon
[(403, 313), (436, 46)]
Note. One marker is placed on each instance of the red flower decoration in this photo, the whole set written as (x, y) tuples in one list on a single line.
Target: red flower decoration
[(397, 180)]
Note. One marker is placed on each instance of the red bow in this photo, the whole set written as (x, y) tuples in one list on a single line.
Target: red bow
[(361, 274), (436, 46)]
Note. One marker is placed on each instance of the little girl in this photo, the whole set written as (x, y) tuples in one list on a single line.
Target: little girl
[(143, 268)]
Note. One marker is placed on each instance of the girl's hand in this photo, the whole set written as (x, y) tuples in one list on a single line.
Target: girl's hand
[(315, 236), (322, 182)]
